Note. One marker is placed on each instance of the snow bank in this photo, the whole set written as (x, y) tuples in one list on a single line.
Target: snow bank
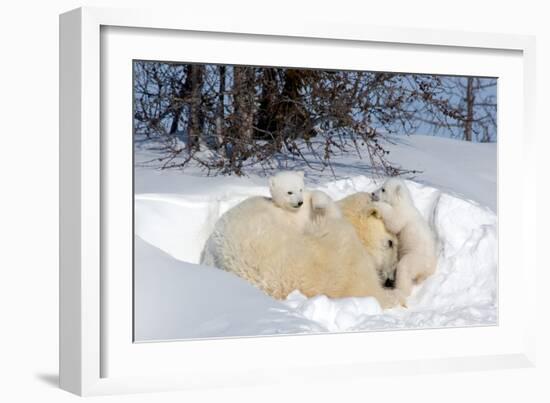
[(461, 168), (178, 300), (198, 301)]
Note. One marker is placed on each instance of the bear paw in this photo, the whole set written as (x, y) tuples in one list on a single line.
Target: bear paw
[(372, 210), (319, 200)]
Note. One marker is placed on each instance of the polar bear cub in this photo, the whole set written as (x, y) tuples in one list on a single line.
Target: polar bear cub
[(307, 211), (358, 209), (417, 247)]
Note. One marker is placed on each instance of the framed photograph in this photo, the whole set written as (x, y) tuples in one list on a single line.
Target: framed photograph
[(245, 203)]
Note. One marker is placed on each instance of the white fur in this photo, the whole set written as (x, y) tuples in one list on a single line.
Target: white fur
[(287, 190), (417, 249)]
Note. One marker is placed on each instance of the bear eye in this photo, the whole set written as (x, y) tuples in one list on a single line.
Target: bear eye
[(383, 190), (289, 193), (390, 243)]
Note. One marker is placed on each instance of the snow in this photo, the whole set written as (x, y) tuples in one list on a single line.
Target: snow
[(176, 298), (466, 170)]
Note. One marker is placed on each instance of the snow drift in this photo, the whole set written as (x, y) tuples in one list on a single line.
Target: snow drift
[(176, 298)]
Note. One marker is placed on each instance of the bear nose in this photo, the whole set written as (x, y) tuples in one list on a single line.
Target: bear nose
[(300, 203), (389, 283)]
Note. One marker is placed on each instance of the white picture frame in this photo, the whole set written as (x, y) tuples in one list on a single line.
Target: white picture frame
[(86, 347)]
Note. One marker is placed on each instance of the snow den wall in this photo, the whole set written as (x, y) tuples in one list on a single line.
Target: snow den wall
[(175, 227)]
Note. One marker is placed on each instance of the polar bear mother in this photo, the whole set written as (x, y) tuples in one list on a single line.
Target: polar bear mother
[(262, 241)]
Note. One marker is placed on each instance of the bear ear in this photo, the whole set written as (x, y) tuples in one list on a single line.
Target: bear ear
[(375, 213), (272, 182), (398, 190)]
